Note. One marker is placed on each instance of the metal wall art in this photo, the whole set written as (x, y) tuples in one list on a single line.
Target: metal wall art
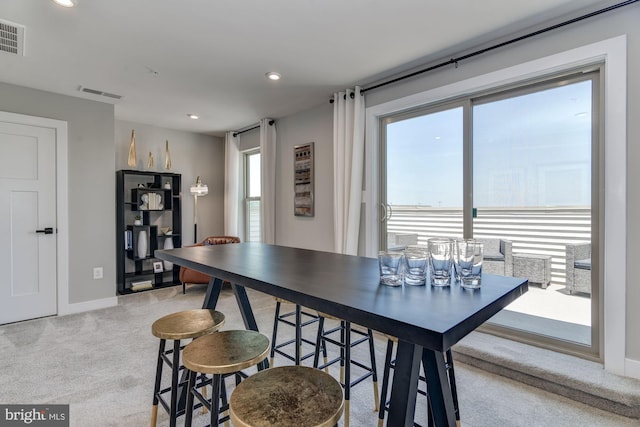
[(303, 180)]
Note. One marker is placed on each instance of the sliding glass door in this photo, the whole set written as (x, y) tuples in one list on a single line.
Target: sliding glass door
[(516, 169)]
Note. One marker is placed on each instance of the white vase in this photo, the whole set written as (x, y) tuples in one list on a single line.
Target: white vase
[(168, 244), (143, 244)]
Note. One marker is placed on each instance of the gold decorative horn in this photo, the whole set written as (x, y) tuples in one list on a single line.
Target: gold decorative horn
[(132, 150), (167, 158)]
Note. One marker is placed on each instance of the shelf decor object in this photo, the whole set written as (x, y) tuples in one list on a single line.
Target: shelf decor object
[(167, 157), (303, 180), (150, 161), (143, 244), (197, 190), (132, 150)]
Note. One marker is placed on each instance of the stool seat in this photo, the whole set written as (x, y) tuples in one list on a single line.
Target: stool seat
[(225, 352), (187, 324), (287, 396)]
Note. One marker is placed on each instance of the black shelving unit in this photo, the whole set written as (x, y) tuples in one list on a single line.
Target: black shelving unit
[(144, 194)]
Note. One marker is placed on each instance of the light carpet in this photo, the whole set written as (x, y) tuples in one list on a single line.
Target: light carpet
[(102, 363)]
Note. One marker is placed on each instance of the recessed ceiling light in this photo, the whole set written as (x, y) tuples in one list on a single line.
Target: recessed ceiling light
[(193, 116), (67, 3), (273, 76)]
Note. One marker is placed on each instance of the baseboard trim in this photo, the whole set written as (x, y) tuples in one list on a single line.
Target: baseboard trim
[(81, 307), (632, 368)]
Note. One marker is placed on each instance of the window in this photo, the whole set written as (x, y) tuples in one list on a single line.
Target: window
[(252, 225), (517, 168)]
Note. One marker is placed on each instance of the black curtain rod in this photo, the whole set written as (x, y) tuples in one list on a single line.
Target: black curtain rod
[(252, 128), (455, 61)]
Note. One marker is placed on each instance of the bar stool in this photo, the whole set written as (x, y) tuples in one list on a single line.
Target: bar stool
[(298, 324), (287, 396), (390, 363), (178, 326), (220, 354), (346, 344)]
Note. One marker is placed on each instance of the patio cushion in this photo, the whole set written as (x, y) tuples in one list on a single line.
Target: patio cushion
[(584, 264), (493, 257)]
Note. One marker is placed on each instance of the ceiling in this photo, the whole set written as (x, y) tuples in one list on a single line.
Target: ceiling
[(209, 57)]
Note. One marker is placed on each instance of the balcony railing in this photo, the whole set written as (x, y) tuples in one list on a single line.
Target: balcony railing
[(543, 231)]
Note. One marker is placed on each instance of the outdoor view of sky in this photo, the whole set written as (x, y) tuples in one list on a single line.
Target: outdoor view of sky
[(529, 150)]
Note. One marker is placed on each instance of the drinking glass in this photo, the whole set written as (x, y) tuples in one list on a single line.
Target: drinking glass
[(389, 263), (440, 261), (470, 254), (415, 266)]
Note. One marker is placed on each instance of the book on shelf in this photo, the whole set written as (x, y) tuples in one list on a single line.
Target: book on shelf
[(128, 240), (141, 285)]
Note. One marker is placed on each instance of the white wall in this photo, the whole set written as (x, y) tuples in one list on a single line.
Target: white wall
[(314, 125), (191, 154), (91, 190)]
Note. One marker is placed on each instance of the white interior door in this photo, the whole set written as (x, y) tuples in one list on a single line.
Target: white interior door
[(28, 283)]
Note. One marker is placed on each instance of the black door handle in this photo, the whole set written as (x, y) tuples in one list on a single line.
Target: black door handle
[(47, 230)]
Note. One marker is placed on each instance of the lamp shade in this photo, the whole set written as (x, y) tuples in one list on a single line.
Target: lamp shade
[(199, 189)]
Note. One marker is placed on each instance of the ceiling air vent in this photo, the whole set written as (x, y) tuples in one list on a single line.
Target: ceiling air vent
[(99, 92), (11, 38)]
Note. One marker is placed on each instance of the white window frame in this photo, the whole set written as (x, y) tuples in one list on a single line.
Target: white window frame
[(246, 198)]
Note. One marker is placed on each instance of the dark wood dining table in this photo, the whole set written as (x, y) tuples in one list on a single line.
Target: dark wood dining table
[(426, 320)]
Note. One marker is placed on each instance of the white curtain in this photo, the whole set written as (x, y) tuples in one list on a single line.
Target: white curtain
[(348, 164), (231, 185), (268, 181)]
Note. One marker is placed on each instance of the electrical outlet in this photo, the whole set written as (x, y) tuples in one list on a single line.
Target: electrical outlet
[(97, 273)]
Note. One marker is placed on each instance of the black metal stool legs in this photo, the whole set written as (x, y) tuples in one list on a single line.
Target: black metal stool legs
[(345, 344), (175, 368), (172, 408), (189, 408), (345, 363), (385, 383), (298, 324), (274, 335), (218, 396), (374, 369), (156, 389)]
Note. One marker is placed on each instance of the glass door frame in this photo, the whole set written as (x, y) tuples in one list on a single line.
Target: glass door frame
[(596, 75)]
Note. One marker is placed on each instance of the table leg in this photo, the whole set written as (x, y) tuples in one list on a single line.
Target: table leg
[(213, 293), (247, 315), (438, 388), (404, 389)]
